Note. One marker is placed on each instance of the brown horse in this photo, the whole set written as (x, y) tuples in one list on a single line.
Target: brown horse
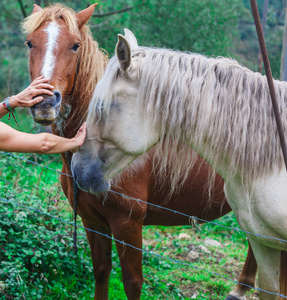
[(61, 48)]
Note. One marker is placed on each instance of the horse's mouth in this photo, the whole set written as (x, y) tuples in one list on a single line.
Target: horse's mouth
[(45, 122), (45, 115)]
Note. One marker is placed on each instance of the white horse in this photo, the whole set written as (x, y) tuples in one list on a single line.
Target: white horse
[(222, 110)]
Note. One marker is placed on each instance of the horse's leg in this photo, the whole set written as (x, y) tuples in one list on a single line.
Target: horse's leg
[(101, 248), (130, 258), (283, 273), (268, 260), (262, 211), (247, 277)]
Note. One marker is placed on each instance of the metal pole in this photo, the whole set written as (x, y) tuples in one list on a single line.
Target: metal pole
[(269, 77)]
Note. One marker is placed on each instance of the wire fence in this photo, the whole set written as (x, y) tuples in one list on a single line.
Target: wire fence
[(188, 264), (155, 205)]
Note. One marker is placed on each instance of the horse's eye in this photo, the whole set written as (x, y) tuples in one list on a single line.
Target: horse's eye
[(29, 44), (75, 47)]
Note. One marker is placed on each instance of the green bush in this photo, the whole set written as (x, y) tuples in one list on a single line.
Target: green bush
[(36, 254)]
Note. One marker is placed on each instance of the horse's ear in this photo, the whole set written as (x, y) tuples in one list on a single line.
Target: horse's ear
[(130, 37), (36, 8), (84, 16), (123, 51)]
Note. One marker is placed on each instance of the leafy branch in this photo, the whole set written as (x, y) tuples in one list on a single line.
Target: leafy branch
[(22, 8), (114, 12)]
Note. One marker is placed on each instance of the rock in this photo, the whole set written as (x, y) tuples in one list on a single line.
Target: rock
[(192, 255), (195, 295), (184, 236), (203, 249), (211, 242)]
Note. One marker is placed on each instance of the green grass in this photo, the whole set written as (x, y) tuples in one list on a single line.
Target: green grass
[(37, 259), (23, 118)]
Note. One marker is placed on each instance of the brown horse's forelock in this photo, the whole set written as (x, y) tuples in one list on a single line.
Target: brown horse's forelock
[(51, 13)]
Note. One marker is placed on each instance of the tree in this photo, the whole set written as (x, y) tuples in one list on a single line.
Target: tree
[(221, 27)]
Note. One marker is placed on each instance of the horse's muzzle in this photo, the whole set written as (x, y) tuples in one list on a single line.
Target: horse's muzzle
[(88, 175), (46, 111)]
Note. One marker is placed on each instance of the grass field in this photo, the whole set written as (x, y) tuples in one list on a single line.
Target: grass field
[(37, 259)]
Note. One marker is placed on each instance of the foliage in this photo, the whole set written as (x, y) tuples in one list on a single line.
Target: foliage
[(36, 256), (247, 47), (222, 27), (208, 27), (13, 60)]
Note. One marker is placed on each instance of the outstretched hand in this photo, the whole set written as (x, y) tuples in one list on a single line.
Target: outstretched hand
[(30, 96), (80, 137)]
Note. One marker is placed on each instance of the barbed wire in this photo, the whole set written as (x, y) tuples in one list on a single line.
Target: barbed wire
[(158, 206), (142, 250)]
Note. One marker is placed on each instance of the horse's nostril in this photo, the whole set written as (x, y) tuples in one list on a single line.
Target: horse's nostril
[(58, 96)]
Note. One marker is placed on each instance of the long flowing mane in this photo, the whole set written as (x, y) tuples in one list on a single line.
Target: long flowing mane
[(91, 60), (218, 106)]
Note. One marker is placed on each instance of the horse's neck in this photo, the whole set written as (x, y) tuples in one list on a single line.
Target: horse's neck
[(67, 124)]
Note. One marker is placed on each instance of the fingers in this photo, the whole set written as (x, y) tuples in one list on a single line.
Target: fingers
[(81, 134), (40, 91), (46, 86), (31, 102), (41, 83), (83, 127), (36, 89), (31, 95), (38, 80), (80, 137), (34, 101)]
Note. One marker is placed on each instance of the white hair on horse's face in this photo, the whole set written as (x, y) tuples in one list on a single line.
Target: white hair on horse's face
[(52, 31), (103, 94)]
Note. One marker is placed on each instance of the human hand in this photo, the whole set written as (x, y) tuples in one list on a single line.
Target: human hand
[(29, 96), (80, 137)]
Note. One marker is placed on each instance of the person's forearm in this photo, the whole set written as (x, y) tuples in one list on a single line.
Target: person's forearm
[(3, 111), (44, 143), (55, 144)]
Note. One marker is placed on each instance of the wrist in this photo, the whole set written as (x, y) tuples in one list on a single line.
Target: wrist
[(13, 102), (7, 105)]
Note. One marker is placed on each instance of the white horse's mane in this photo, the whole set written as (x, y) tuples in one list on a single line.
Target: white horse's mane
[(220, 107)]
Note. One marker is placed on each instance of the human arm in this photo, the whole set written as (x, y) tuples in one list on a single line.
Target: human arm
[(29, 96), (12, 140)]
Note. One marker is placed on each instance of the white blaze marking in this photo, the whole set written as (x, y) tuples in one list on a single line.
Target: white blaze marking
[(48, 66)]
